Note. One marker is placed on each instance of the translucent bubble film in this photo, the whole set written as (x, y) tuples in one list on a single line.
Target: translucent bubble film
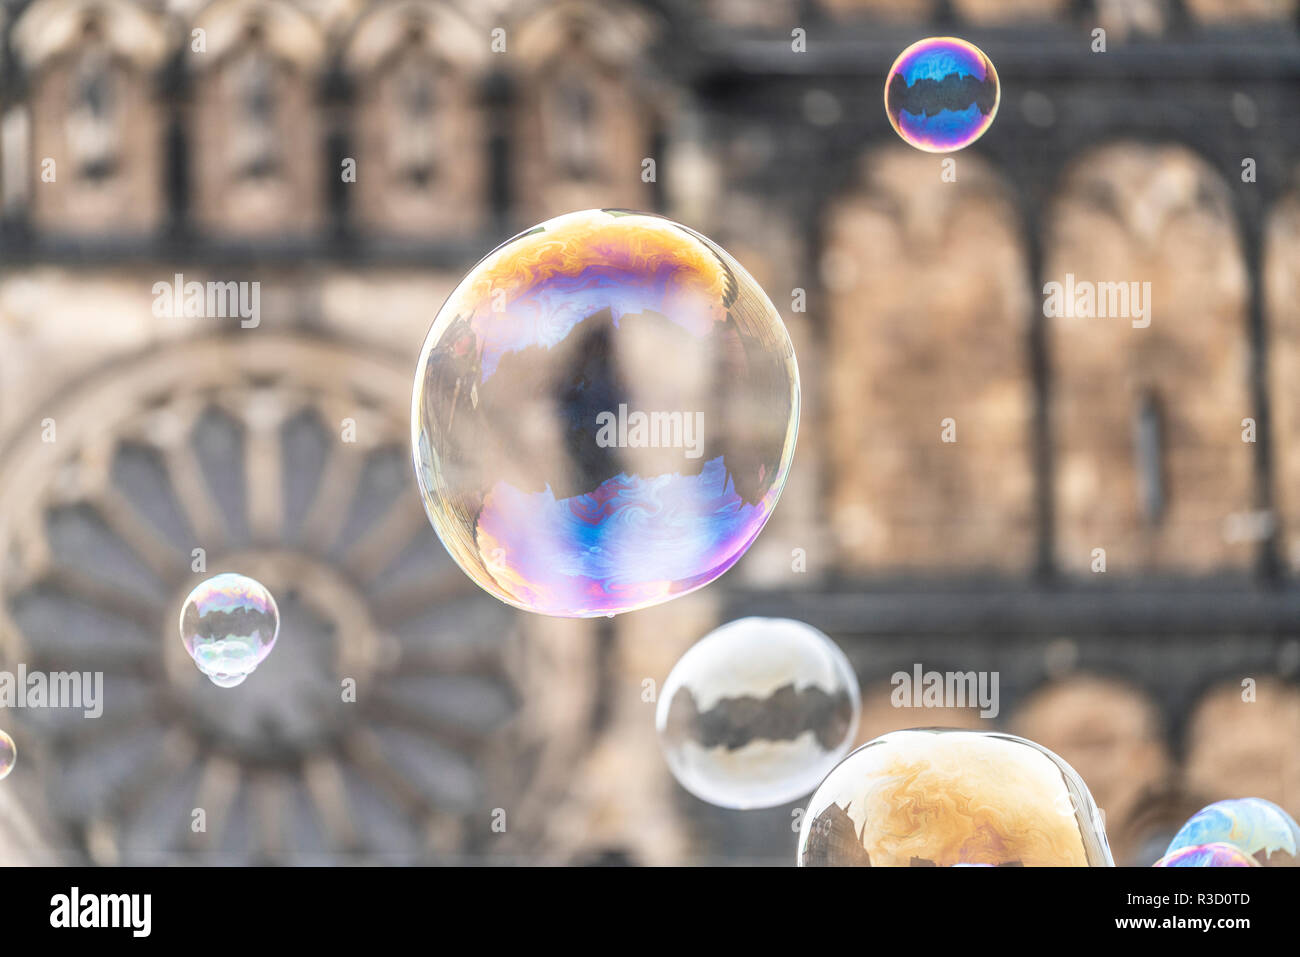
[(8, 754), (939, 797), (229, 624), (1207, 855), (942, 94), (757, 712), (604, 415), (1254, 826)]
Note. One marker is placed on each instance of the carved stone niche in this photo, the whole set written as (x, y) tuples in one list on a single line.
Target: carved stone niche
[(255, 131), (583, 116), (95, 124), (419, 129)]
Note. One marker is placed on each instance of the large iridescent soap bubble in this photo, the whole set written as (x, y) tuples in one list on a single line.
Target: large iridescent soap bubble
[(1257, 827), (8, 754), (229, 624), (1207, 855), (604, 415), (757, 712), (938, 797), (942, 94)]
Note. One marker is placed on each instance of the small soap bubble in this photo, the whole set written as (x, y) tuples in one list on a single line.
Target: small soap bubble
[(229, 624), (757, 712), (942, 94)]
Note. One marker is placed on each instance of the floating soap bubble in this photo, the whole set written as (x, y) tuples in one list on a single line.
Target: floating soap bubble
[(757, 712), (1257, 827), (940, 797), (229, 624), (942, 94), (604, 415), (8, 754), (1207, 855)]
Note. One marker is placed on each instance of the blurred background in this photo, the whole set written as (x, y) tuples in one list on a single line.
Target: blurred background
[(141, 140)]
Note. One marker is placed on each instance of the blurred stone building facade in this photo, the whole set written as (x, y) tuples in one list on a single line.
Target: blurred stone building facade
[(354, 158)]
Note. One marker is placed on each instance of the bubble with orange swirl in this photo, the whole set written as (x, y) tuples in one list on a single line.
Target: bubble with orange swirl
[(937, 797), (604, 415)]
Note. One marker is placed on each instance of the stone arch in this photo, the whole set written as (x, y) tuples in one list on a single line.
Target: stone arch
[(1246, 748), (1109, 732), (926, 313), (1147, 407)]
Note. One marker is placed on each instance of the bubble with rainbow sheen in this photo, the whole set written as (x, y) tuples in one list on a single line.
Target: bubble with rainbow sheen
[(1207, 855), (229, 624), (8, 754), (756, 712), (604, 415), (1257, 827), (940, 797), (942, 94)]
